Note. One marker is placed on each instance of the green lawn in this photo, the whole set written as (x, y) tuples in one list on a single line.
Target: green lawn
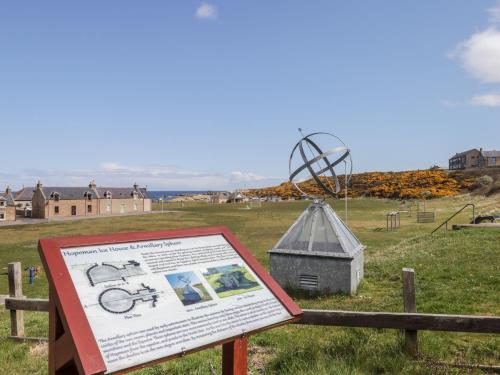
[(457, 272)]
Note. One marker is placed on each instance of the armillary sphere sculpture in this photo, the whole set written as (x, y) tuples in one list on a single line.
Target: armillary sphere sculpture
[(319, 252), (308, 160)]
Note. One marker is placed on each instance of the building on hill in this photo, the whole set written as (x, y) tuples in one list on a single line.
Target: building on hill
[(465, 160), (474, 159), (53, 202), (7, 206), (218, 198), (491, 158)]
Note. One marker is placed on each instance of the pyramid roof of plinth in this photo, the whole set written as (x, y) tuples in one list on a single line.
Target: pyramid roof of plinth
[(319, 230)]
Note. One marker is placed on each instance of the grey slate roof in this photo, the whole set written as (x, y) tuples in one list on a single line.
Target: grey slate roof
[(66, 193), (487, 154), (121, 192), (491, 154), (465, 152), (25, 194), (8, 198)]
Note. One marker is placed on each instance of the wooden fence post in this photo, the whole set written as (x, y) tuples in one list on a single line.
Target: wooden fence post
[(16, 290), (410, 306)]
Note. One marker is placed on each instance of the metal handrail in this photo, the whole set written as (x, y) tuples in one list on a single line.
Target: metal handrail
[(455, 214)]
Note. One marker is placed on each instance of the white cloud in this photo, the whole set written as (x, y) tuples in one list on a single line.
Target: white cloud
[(206, 11), (494, 13), (161, 177), (486, 100), (480, 55), (238, 176)]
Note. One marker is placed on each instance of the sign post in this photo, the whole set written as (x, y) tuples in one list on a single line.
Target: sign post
[(234, 357), (125, 301)]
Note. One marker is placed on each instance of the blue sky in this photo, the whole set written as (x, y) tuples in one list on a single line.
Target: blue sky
[(194, 95)]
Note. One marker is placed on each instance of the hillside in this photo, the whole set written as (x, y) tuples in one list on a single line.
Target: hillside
[(394, 185)]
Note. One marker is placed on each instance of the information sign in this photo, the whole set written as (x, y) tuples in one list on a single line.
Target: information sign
[(127, 300)]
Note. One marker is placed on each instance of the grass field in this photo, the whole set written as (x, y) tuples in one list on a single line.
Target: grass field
[(457, 272)]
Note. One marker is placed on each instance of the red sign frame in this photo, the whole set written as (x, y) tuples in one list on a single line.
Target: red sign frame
[(72, 346)]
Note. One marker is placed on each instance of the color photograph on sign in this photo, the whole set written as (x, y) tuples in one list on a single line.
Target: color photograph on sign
[(188, 288), (148, 300), (230, 280)]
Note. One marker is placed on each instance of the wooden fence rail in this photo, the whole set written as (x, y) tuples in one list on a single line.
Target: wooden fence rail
[(410, 321), (406, 321), (340, 318), (31, 304)]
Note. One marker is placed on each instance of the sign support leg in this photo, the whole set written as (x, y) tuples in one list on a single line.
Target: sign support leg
[(61, 352), (234, 357)]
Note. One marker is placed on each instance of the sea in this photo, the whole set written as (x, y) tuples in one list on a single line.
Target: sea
[(171, 194)]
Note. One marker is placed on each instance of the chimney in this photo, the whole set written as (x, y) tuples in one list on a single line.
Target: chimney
[(92, 185), (136, 187), (8, 190), (39, 185)]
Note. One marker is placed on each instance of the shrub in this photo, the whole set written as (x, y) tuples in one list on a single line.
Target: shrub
[(485, 180), (494, 188), (396, 185), (426, 194)]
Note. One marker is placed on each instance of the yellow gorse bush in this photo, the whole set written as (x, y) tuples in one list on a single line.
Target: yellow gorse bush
[(395, 185)]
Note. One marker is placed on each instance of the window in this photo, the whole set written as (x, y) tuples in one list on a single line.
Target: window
[(493, 161), (56, 210), (2, 216), (73, 210), (89, 208), (2, 203)]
